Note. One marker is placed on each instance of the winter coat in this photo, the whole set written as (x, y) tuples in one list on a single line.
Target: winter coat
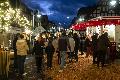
[(50, 49), (87, 42), (72, 44), (94, 40), (22, 47), (103, 43), (63, 43), (14, 43), (55, 44), (77, 42), (38, 48)]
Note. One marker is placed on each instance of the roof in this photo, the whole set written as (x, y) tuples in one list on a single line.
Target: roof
[(99, 21), (106, 18)]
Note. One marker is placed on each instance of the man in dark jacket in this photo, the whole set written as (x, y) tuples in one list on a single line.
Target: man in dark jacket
[(94, 45), (38, 50), (15, 51), (50, 51), (63, 44), (103, 44), (81, 44), (77, 42)]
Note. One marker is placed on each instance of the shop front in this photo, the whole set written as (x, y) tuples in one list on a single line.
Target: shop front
[(109, 24)]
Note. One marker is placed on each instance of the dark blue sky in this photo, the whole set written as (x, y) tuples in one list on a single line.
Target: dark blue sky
[(59, 11)]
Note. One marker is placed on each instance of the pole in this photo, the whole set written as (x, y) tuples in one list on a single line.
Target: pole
[(33, 26), (33, 20)]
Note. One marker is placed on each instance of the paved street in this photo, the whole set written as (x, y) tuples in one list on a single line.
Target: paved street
[(83, 70), (47, 26)]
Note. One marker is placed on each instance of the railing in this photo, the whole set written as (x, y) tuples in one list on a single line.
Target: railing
[(4, 63)]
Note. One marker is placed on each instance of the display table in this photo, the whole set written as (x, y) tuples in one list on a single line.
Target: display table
[(4, 63)]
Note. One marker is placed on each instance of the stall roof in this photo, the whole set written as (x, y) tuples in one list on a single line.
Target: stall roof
[(106, 18), (99, 21)]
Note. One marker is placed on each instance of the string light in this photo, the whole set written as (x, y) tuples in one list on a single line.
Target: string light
[(9, 15)]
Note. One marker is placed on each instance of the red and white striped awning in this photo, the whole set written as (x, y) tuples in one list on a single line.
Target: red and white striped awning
[(99, 21)]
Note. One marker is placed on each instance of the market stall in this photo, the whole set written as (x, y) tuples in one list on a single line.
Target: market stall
[(109, 24)]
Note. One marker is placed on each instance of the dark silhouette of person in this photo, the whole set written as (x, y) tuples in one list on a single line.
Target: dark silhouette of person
[(77, 42), (63, 44), (81, 44), (15, 51), (103, 44), (22, 49), (50, 51), (38, 50), (94, 46), (88, 46)]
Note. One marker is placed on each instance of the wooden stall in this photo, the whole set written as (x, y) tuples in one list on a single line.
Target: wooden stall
[(4, 63)]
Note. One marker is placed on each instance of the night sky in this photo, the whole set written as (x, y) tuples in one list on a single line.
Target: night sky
[(59, 11)]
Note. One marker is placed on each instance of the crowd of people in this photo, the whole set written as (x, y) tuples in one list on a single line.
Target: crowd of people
[(95, 46), (70, 45)]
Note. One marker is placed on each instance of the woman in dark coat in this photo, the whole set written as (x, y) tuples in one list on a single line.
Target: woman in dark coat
[(50, 51)]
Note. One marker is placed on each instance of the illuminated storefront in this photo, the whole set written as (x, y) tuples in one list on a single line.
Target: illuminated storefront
[(110, 24)]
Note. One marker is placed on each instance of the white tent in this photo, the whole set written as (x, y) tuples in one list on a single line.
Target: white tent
[(39, 29)]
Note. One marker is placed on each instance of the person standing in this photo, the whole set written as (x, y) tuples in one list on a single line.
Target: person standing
[(103, 44), (94, 45), (88, 46), (50, 51), (76, 48), (38, 50), (72, 46), (15, 52), (22, 49), (63, 44), (55, 44), (82, 44)]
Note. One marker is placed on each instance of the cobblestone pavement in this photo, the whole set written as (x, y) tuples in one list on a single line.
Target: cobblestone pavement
[(30, 70), (82, 70)]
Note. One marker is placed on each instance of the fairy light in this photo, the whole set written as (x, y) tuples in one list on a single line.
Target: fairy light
[(9, 15)]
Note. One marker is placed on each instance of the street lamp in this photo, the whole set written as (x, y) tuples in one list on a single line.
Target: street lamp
[(38, 15), (39, 21), (68, 17), (33, 19), (113, 2), (81, 19), (59, 23)]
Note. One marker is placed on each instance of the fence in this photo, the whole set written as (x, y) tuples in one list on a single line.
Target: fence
[(4, 64)]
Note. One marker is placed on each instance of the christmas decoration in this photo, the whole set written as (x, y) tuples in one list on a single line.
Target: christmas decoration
[(11, 17)]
